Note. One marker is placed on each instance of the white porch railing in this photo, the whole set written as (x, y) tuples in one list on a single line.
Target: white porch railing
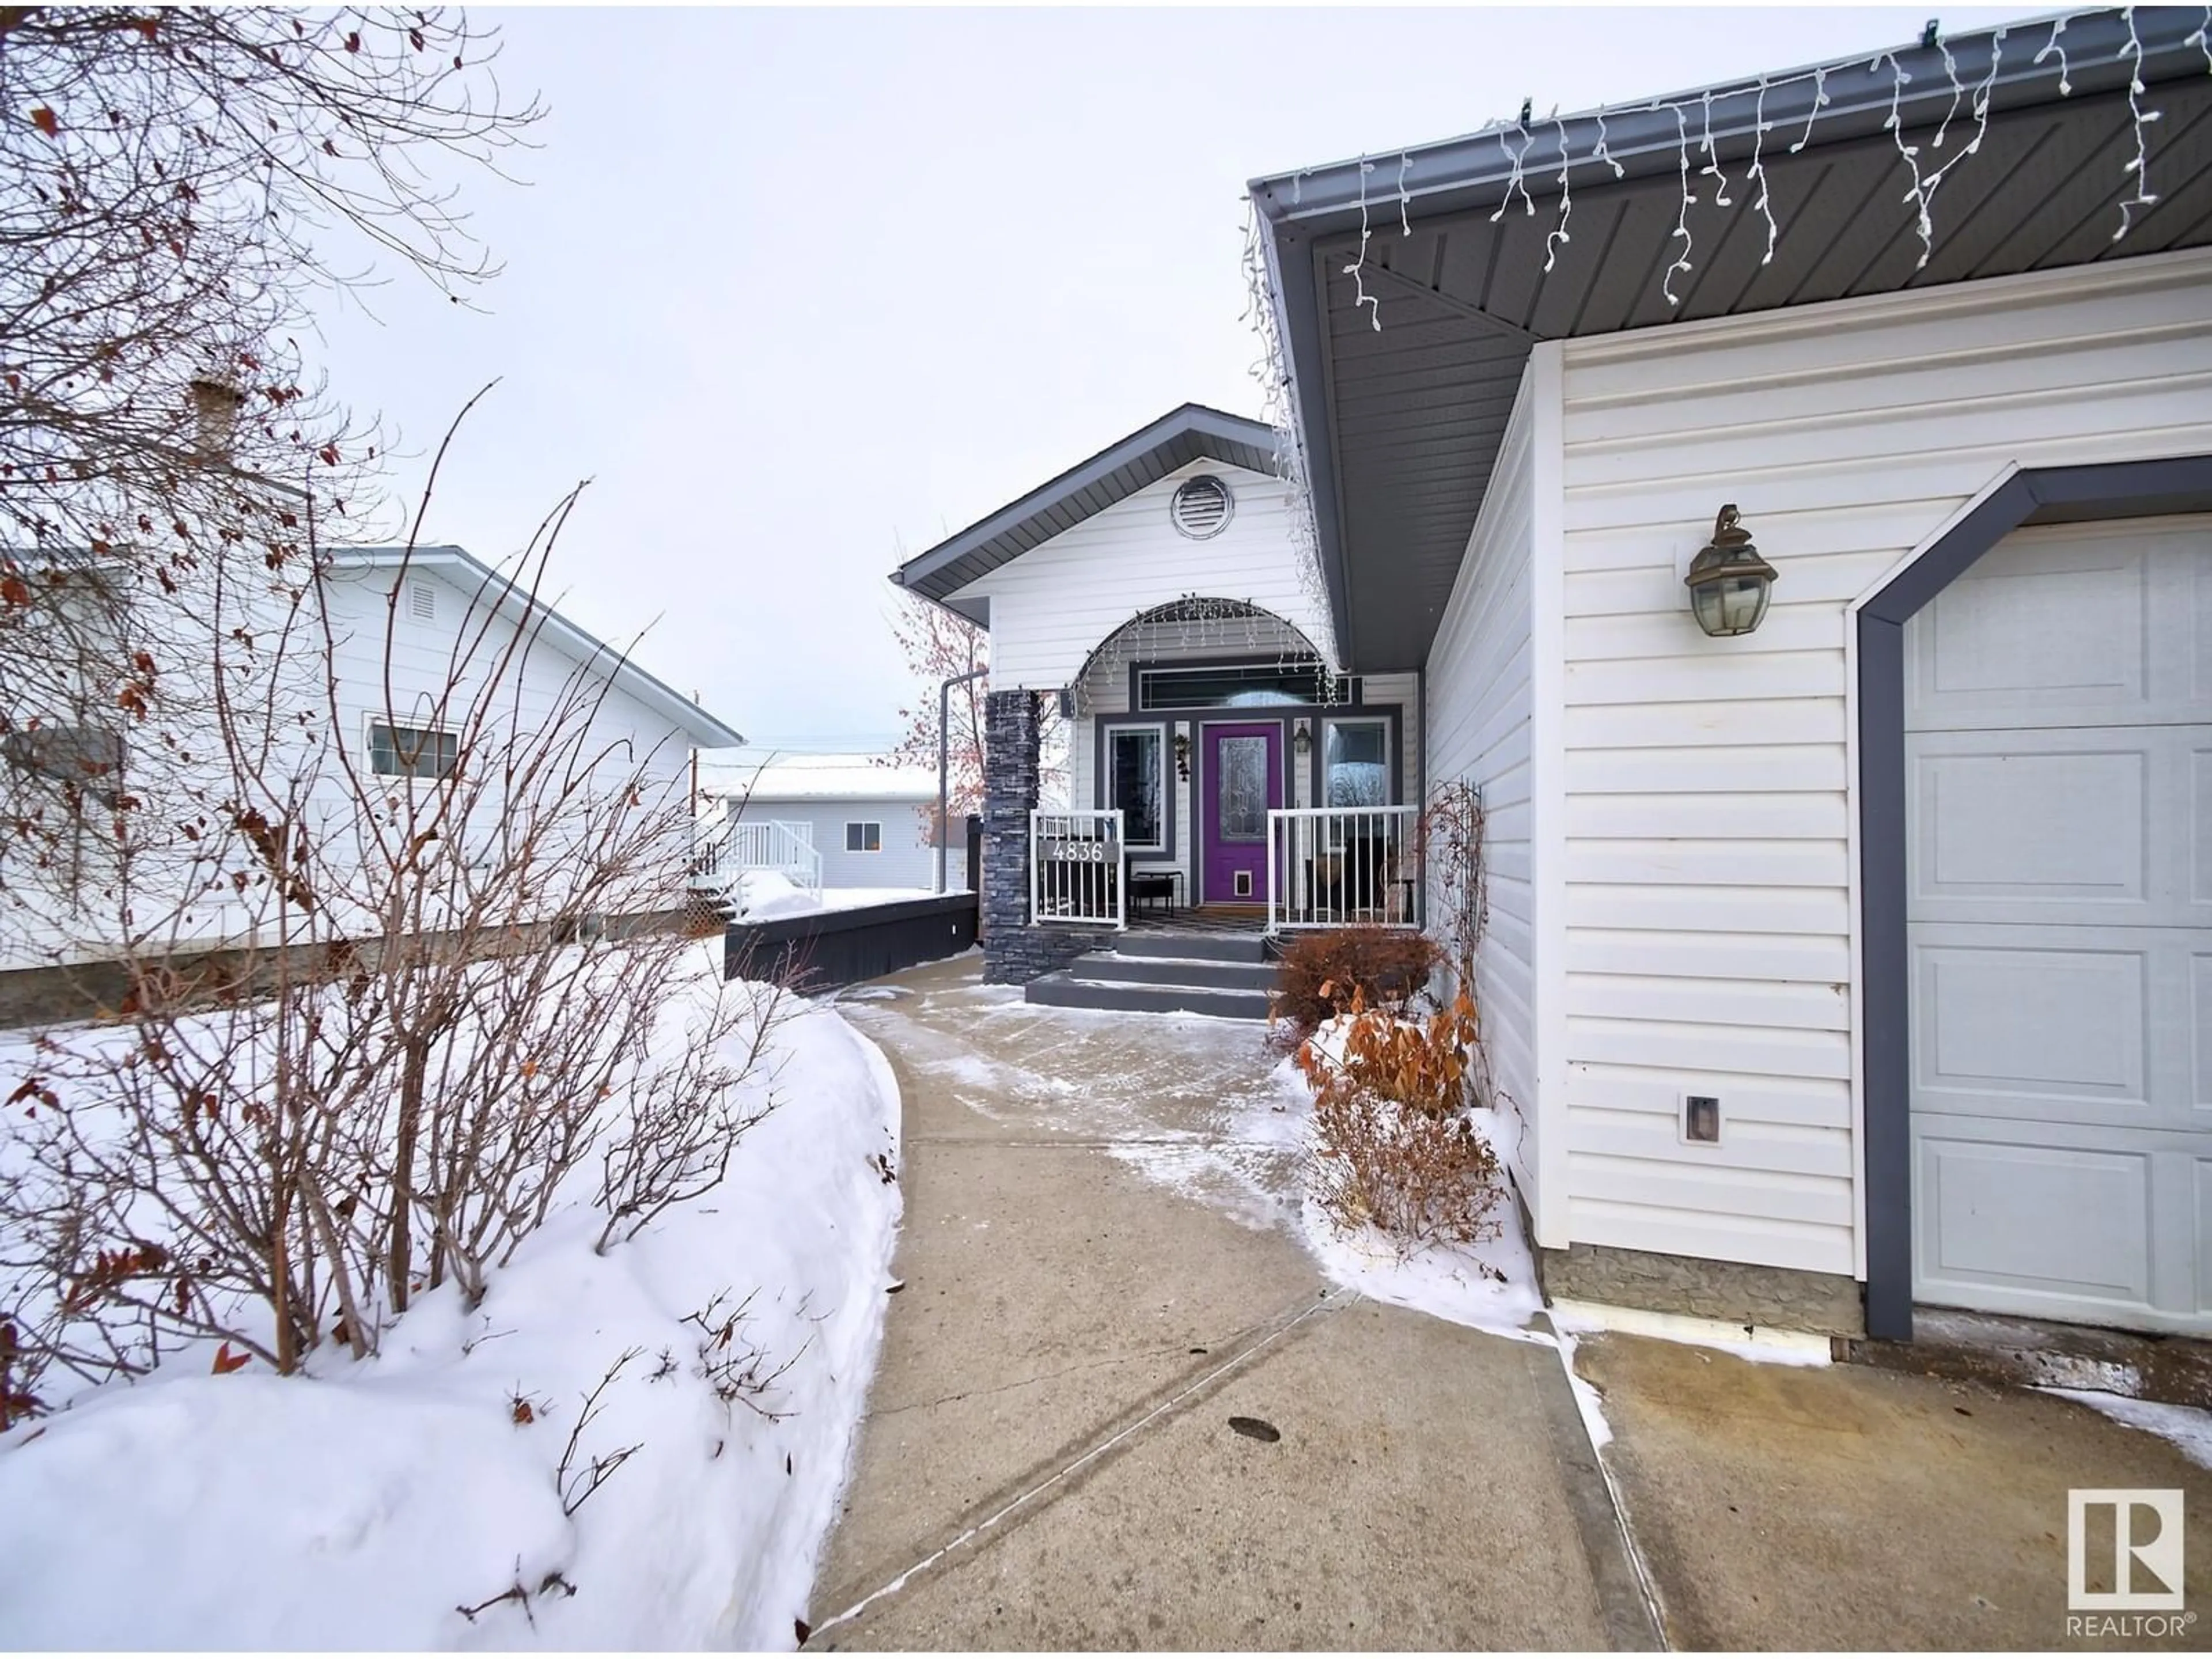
[(1077, 869), (771, 844), (1341, 866)]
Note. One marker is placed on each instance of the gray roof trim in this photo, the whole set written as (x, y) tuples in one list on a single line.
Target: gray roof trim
[(1457, 174), (516, 604), (1192, 433)]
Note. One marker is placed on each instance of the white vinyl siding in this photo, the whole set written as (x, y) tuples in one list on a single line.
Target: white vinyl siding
[(906, 859), (1480, 707), (425, 641), (1708, 860), (1053, 606)]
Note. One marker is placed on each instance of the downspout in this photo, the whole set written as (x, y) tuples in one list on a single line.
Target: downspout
[(943, 763), (1427, 791)]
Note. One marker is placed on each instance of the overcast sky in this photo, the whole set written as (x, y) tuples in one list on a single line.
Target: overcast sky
[(798, 291)]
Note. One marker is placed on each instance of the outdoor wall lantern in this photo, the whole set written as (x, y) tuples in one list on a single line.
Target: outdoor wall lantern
[(1730, 584), (1302, 741), (1183, 755)]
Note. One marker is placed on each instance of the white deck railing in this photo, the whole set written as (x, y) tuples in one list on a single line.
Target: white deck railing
[(771, 844), (1341, 866), (1076, 869)]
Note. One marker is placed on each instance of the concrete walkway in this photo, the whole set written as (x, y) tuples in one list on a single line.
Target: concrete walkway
[(1101, 1267)]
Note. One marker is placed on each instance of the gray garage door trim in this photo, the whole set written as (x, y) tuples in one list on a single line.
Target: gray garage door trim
[(2115, 490)]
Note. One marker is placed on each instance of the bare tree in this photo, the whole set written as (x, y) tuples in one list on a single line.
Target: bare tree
[(458, 991), (938, 645), (180, 190)]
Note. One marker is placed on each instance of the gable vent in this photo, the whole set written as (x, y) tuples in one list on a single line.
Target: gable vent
[(421, 602), (1202, 506)]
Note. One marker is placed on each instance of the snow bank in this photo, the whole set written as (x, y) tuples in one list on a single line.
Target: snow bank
[(762, 895), (360, 1506)]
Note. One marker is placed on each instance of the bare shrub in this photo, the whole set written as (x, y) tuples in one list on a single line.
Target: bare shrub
[(730, 1365), (684, 1121), (1392, 1147), (444, 1009), (1418, 1180), (1319, 973), (576, 1482)]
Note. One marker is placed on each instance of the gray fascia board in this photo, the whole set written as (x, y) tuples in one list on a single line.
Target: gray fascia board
[(1289, 266), (1199, 431), (1644, 137), (518, 606)]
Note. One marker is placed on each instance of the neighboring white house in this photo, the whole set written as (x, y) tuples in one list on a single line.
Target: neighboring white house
[(867, 821), (446, 596), (1870, 951), (389, 650)]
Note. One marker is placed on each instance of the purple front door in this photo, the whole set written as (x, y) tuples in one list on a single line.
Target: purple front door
[(1243, 769)]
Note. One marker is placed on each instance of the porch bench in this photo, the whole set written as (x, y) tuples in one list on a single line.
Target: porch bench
[(1163, 884)]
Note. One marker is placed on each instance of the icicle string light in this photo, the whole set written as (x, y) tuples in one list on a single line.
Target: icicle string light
[(1713, 167), (1966, 99), (1980, 110), (1910, 155), (1195, 627), (1557, 237), (1958, 92), (1602, 154), (2065, 70), (1757, 174), (1357, 269), (1925, 181), (1516, 181), (1682, 219), (1820, 103), (2203, 39), (2140, 165)]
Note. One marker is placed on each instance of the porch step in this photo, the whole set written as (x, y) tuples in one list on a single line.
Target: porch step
[(1193, 946), (1216, 973), (1069, 989)]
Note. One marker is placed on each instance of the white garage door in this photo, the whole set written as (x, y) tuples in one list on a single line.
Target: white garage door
[(2058, 753)]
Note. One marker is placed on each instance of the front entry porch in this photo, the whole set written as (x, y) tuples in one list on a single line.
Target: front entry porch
[(1221, 780)]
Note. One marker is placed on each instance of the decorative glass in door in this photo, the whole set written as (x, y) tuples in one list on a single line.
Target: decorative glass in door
[(1243, 789)]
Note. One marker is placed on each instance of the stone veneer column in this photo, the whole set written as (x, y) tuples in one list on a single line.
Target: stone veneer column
[(1011, 729), (1014, 952)]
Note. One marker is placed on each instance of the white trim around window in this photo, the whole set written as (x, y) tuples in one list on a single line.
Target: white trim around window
[(1161, 838), (385, 756), (1376, 790)]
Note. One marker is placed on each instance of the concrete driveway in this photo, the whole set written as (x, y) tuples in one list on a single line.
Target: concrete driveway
[(1102, 1265), (1779, 1507), (1101, 1269)]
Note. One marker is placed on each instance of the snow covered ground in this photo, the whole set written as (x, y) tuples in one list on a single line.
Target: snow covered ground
[(762, 895), (362, 1505)]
